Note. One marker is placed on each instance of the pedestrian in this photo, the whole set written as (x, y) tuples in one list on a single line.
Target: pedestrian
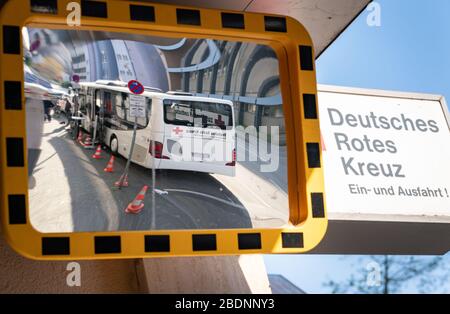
[(76, 105), (68, 110), (48, 105)]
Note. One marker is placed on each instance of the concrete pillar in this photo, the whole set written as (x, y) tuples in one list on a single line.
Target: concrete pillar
[(231, 274), (224, 274), (21, 275)]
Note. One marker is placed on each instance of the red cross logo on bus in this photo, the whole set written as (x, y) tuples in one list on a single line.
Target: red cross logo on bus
[(177, 130)]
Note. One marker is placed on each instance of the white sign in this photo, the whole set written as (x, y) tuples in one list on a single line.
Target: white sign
[(206, 133), (137, 106), (385, 154)]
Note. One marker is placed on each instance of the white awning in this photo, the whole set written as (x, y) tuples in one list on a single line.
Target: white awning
[(325, 20)]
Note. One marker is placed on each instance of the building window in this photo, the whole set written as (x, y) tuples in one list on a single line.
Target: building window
[(273, 111), (250, 108), (278, 112)]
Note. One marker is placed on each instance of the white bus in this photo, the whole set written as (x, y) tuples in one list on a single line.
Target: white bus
[(179, 131)]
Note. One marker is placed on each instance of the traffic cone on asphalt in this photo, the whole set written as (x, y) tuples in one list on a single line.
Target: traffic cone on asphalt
[(80, 137), (110, 165), (123, 181), (138, 203), (98, 152), (87, 141)]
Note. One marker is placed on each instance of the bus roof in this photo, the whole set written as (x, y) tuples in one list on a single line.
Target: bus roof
[(159, 95)]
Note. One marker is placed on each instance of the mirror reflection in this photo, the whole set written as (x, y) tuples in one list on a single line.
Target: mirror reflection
[(131, 132)]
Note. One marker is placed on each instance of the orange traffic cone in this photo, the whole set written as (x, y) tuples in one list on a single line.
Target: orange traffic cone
[(138, 203), (88, 141), (80, 137), (123, 181), (110, 165), (98, 152)]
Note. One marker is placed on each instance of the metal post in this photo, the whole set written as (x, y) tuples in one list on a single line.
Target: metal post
[(153, 218), (127, 166), (95, 131), (94, 136)]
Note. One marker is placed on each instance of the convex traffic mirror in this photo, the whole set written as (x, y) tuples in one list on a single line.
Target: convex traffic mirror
[(162, 131)]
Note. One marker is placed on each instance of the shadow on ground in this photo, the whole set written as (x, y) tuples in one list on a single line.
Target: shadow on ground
[(193, 201)]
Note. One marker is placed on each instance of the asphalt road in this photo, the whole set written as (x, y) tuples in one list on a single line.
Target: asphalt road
[(69, 191)]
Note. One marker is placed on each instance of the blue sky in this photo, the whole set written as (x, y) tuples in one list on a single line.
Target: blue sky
[(409, 52)]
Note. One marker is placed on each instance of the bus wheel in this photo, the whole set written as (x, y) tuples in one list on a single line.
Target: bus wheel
[(114, 145)]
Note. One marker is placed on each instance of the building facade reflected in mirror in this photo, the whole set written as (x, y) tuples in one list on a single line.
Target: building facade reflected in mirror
[(198, 90)]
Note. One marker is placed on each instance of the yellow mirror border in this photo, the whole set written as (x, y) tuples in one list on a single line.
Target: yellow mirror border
[(294, 50)]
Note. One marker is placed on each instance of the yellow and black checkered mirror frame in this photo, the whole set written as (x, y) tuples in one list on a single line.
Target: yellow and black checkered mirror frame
[(294, 50)]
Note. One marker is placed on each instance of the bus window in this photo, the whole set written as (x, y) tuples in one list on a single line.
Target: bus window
[(178, 113), (213, 115), (141, 121), (108, 104), (144, 121), (149, 107), (119, 106), (126, 101), (98, 102), (201, 114)]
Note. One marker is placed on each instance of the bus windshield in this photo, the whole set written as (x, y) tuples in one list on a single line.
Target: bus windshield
[(198, 114)]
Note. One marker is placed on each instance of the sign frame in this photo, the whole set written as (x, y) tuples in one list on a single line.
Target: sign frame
[(294, 49), (395, 234), (140, 109)]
